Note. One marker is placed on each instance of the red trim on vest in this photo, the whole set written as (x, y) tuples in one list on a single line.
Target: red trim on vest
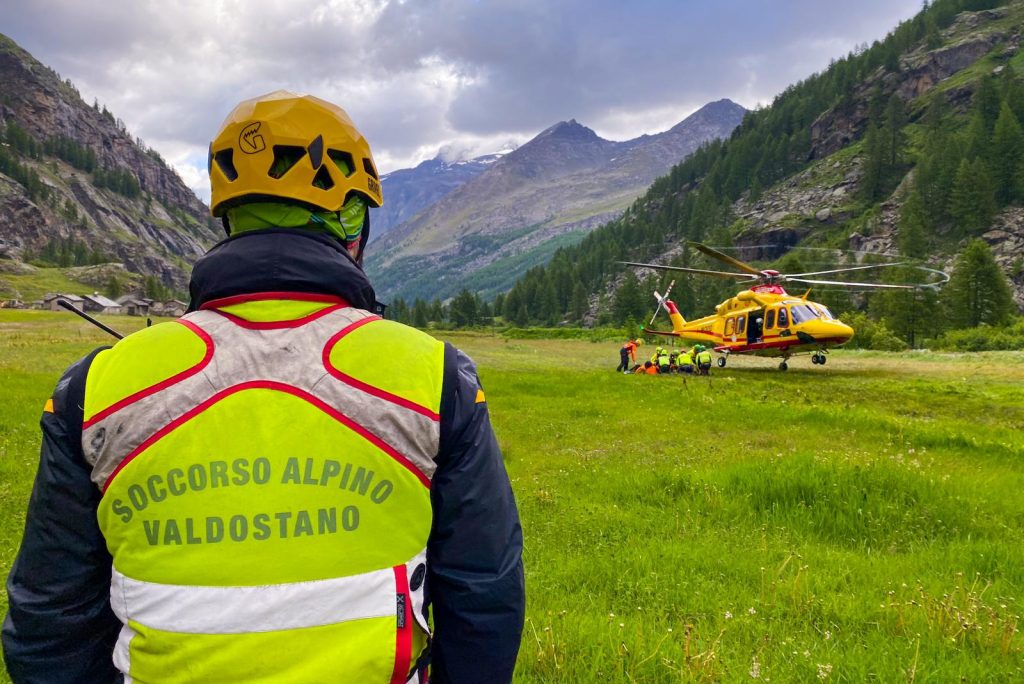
[(359, 384), (278, 325), (403, 634), (164, 384), (263, 296), (280, 387)]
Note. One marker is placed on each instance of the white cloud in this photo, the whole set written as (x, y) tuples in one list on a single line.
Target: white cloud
[(419, 76)]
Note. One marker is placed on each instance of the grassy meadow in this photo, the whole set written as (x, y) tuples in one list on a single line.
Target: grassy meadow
[(861, 521)]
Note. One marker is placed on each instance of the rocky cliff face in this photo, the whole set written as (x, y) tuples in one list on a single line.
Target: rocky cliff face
[(973, 36), (408, 191), (550, 191), (157, 229)]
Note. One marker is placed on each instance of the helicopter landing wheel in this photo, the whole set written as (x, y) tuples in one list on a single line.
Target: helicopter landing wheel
[(721, 362), (783, 366), (822, 359)]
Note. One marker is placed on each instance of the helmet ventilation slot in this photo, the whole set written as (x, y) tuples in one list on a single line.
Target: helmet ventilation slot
[(343, 160), (285, 157), (323, 179), (226, 164), (368, 167)]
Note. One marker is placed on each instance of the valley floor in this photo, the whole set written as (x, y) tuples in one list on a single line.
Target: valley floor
[(862, 521)]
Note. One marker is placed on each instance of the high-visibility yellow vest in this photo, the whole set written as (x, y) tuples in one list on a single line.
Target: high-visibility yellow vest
[(266, 492), (704, 358), (686, 359)]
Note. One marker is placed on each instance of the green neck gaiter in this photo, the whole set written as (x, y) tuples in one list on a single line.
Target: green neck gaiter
[(345, 225)]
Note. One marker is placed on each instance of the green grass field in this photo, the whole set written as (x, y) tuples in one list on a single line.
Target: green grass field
[(862, 521)]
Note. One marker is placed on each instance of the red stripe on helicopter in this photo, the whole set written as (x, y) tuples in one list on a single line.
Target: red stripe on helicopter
[(787, 342)]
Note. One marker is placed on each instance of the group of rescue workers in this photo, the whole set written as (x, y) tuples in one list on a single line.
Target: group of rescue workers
[(696, 360)]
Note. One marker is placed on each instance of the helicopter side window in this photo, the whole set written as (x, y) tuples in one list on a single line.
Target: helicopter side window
[(783, 317), (729, 326), (741, 324), (769, 321)]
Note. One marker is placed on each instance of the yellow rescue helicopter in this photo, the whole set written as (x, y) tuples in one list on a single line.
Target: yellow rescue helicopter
[(764, 319)]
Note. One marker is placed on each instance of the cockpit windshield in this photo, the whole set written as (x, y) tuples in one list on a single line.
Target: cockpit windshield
[(802, 313), (825, 313)]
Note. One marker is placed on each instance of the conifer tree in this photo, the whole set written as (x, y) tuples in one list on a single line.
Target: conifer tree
[(972, 204), (1013, 91), (510, 307), (437, 313), (913, 226), (909, 314), (1007, 151), (498, 305), (936, 173), (932, 37), (463, 309), (629, 299), (895, 120), (978, 138), (420, 314), (580, 302), (978, 290), (987, 102), (522, 317)]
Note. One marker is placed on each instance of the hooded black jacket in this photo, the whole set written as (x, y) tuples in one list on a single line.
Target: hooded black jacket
[(60, 627)]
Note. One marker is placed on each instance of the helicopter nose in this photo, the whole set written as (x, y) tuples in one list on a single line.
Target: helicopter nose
[(835, 332), (839, 331)]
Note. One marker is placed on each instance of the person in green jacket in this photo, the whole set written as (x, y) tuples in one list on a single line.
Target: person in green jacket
[(704, 361), (685, 361), (664, 361)]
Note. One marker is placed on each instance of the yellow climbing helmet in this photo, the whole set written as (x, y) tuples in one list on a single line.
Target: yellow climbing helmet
[(293, 147)]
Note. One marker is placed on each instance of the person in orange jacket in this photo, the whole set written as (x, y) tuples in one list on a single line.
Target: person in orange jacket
[(628, 352)]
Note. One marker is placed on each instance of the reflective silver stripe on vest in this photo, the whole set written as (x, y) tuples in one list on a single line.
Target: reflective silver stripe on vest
[(288, 355), (265, 608)]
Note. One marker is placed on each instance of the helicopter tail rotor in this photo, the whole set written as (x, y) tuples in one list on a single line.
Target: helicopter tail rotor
[(662, 299)]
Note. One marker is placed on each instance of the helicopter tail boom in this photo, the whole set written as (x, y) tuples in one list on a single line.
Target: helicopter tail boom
[(677, 318)]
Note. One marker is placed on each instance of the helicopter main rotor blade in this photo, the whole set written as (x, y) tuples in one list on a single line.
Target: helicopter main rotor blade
[(843, 270), (715, 254), (717, 274), (845, 284)]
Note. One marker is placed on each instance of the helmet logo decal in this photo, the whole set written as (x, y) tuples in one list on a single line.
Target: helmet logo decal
[(249, 140), (372, 185)]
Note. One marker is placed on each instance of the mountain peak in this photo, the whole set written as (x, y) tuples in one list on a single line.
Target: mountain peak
[(569, 130), (720, 111)]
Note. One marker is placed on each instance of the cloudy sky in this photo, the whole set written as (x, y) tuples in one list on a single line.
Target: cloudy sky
[(419, 76)]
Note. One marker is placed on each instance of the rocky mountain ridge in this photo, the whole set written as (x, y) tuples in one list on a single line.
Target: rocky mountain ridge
[(94, 184), (547, 193), (408, 191)]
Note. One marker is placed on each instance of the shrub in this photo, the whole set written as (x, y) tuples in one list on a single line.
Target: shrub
[(871, 334), (984, 338)]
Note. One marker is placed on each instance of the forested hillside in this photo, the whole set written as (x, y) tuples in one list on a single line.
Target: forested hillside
[(911, 148)]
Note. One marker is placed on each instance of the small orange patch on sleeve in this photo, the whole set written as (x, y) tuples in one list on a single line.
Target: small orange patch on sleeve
[(48, 406), (480, 396)]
